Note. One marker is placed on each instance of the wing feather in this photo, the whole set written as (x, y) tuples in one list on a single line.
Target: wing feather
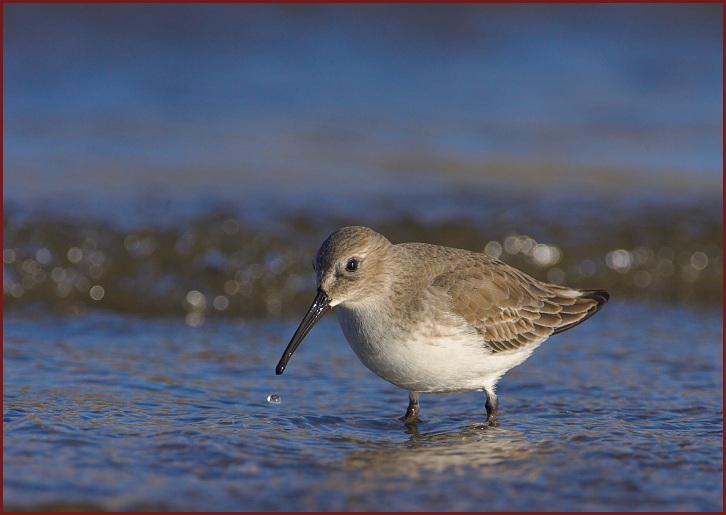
[(508, 308)]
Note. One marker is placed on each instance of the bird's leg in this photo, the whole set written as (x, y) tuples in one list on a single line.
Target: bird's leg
[(411, 416), (492, 406)]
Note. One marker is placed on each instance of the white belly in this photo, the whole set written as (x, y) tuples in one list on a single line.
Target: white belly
[(445, 360)]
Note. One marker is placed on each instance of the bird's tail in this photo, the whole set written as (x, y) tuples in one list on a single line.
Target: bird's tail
[(585, 305)]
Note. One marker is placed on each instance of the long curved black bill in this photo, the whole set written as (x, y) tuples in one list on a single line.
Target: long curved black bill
[(320, 306)]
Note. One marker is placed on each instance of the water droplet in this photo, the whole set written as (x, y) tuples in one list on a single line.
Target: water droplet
[(197, 299), (43, 256), (8, 256), (194, 319), (493, 249), (273, 398), (699, 260), (75, 255), (97, 292), (220, 303)]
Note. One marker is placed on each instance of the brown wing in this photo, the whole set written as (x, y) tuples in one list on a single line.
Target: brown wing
[(509, 308)]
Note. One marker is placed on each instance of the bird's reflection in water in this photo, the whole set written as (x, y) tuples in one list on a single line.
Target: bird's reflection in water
[(476, 446)]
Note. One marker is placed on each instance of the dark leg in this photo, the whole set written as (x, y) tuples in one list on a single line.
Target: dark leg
[(492, 406), (411, 416)]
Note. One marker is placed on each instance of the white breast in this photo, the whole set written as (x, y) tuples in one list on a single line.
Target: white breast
[(451, 358)]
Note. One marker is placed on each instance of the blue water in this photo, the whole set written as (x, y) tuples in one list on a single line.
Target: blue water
[(121, 413), (345, 100)]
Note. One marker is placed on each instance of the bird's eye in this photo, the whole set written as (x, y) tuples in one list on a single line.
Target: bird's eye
[(351, 265)]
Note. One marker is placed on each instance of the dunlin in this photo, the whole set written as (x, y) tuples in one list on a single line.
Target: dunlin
[(434, 319)]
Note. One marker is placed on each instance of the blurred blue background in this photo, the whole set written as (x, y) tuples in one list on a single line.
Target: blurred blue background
[(320, 100)]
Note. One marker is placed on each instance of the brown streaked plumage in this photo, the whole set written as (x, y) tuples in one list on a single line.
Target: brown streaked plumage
[(434, 319)]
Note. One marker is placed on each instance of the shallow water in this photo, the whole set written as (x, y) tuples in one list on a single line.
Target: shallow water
[(120, 412)]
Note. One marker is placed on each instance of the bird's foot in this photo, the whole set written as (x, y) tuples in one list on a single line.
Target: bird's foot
[(489, 422), (410, 420), (411, 416), (492, 407)]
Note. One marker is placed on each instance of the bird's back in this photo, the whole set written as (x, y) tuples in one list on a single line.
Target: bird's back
[(507, 307)]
